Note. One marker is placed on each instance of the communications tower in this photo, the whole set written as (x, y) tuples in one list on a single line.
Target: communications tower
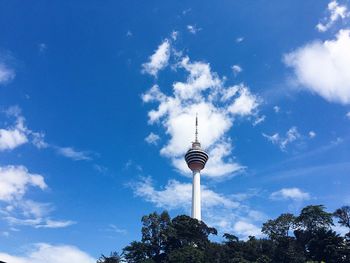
[(196, 159)]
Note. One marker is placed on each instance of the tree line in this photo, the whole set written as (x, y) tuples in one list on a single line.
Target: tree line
[(307, 237)]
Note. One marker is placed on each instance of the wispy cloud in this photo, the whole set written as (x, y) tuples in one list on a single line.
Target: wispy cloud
[(18, 134), (193, 29), (336, 12), (312, 134), (291, 135), (73, 154), (152, 138), (158, 60), (6, 73), (15, 182), (294, 194), (38, 222), (311, 170), (276, 109), (236, 69), (114, 229)]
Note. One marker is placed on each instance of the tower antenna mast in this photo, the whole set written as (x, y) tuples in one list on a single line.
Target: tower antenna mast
[(196, 134)]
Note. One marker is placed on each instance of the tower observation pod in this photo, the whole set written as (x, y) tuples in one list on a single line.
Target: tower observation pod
[(196, 159)]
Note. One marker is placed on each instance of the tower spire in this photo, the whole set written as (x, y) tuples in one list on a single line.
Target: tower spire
[(196, 134)]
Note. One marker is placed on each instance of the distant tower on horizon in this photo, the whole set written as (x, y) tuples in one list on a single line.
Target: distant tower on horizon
[(196, 158)]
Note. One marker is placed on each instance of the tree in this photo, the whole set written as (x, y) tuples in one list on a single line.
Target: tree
[(314, 234), (343, 216), (313, 217), (186, 231), (280, 227), (113, 258), (136, 252), (154, 234)]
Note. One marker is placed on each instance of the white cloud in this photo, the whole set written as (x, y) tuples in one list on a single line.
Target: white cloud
[(294, 194), (174, 35), (236, 69), (348, 115), (12, 137), (6, 74), (18, 134), (312, 134), (246, 229), (336, 12), (14, 181), (38, 222), (158, 60), (38, 140), (259, 120), (217, 106), (276, 109), (193, 29), (73, 154), (49, 223), (245, 104), (291, 135), (152, 138), (324, 67), (44, 253)]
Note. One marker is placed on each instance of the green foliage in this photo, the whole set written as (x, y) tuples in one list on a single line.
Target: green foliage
[(314, 217), (113, 258), (187, 240), (280, 227), (186, 254), (343, 216)]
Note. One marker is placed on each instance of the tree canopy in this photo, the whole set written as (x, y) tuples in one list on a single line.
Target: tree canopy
[(307, 237)]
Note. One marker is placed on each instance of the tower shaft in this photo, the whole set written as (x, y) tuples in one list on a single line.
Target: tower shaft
[(196, 195)]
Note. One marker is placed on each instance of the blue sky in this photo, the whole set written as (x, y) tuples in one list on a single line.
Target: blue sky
[(97, 108)]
